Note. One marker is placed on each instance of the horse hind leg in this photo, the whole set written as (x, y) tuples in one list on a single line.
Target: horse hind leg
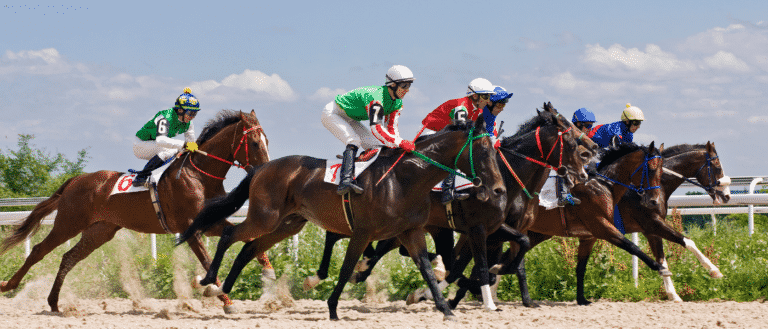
[(657, 247), (202, 255), (58, 235), (93, 237), (322, 272), (711, 268)]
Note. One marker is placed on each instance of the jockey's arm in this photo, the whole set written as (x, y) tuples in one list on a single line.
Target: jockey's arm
[(162, 135), (384, 127)]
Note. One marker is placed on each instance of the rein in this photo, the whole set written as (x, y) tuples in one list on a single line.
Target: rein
[(469, 141), (643, 180), (713, 184), (234, 155)]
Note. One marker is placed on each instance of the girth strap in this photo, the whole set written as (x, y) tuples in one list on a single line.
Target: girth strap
[(153, 195), (346, 204)]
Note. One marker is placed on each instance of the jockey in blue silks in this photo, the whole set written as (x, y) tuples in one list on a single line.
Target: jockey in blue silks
[(496, 106), (631, 118), (583, 119)]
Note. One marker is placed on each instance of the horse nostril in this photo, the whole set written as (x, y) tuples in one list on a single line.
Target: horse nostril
[(500, 191)]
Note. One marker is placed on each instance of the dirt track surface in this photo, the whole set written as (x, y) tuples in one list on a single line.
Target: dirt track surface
[(154, 313)]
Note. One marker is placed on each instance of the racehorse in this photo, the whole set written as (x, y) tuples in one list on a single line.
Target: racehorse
[(622, 168), (681, 162), (547, 133), (292, 189), (85, 205)]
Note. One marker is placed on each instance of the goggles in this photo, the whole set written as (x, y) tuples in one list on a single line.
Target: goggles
[(404, 85), (190, 113), (583, 124), (485, 96), (634, 123)]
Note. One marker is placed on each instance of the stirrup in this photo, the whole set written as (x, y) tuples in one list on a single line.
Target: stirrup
[(346, 187)]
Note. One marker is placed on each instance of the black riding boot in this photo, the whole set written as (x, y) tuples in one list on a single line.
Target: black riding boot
[(143, 175), (564, 197), (347, 182), (449, 191)]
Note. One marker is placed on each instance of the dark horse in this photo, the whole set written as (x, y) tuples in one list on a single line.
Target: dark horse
[(681, 162), (85, 205), (472, 217), (622, 168), (291, 189)]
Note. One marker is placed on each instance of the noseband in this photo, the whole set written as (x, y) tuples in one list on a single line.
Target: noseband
[(713, 183)]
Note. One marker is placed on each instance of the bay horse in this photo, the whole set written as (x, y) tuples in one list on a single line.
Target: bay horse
[(85, 205), (292, 189), (623, 168), (541, 135), (681, 162)]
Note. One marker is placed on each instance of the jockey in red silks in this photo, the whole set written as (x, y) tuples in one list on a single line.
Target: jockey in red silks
[(469, 107), (381, 106)]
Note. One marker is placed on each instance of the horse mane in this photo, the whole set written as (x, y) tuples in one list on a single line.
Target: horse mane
[(611, 154), (680, 149), (220, 121), (527, 127)]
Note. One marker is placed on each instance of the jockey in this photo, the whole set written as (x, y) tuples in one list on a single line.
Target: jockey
[(381, 106), (498, 101), (465, 108), (154, 140), (583, 119), (631, 118)]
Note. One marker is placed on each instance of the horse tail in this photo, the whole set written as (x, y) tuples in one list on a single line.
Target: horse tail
[(31, 224), (218, 209)]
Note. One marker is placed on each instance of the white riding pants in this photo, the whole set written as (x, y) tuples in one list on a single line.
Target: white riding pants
[(346, 129)]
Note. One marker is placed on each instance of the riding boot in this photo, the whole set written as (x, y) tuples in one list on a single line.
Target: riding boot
[(564, 197), (449, 190), (143, 175), (347, 182)]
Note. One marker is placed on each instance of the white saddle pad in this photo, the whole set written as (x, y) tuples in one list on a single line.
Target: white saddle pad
[(125, 182), (332, 169), (548, 194)]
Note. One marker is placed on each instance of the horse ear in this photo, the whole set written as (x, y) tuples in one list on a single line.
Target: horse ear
[(710, 146), (651, 146), (661, 148), (253, 113)]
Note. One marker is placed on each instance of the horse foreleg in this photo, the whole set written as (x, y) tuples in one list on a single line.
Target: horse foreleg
[(93, 237), (322, 272), (357, 244), (585, 250), (221, 248), (370, 259), (507, 233), (414, 241), (711, 268), (478, 235), (657, 247), (202, 255), (626, 245)]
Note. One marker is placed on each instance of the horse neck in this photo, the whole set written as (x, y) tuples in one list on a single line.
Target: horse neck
[(622, 170), (686, 164), (220, 146), (531, 174), (444, 152)]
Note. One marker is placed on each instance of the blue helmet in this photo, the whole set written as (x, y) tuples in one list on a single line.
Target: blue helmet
[(187, 101), (501, 94), (583, 115)]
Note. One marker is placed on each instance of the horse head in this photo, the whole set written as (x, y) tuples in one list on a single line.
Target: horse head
[(711, 175), (638, 168), (575, 150), (250, 145)]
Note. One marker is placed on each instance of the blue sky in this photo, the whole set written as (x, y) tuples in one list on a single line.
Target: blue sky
[(90, 74)]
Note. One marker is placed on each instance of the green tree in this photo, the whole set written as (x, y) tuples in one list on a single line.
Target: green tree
[(29, 171)]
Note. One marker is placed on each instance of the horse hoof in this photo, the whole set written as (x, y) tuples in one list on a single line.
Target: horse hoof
[(3, 286), (665, 272), (491, 308), (450, 318), (715, 274), (230, 309), (362, 265), (310, 282), (495, 269), (212, 291), (415, 297), (269, 274), (196, 282)]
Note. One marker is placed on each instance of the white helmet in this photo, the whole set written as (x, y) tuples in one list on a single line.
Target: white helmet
[(632, 113), (398, 73), (480, 86)]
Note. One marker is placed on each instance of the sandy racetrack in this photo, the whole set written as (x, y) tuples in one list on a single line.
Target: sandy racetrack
[(154, 313)]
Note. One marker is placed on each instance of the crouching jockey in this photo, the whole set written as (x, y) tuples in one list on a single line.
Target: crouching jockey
[(381, 106), (583, 119), (465, 108), (631, 118), (154, 140)]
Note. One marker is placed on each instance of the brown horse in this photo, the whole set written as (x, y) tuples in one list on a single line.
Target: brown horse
[(626, 168), (292, 189), (681, 162), (85, 205), (471, 217)]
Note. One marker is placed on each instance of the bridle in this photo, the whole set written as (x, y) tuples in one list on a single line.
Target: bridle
[(714, 184), (644, 180), (234, 155)]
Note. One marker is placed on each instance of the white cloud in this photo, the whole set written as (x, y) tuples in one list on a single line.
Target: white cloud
[(49, 55), (271, 87), (758, 119), (326, 94), (653, 60), (726, 60)]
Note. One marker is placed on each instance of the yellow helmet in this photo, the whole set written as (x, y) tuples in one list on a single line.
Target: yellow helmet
[(632, 113)]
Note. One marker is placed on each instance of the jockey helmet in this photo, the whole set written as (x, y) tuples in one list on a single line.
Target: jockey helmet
[(480, 86), (397, 74), (583, 115), (632, 113), (187, 101), (500, 94)]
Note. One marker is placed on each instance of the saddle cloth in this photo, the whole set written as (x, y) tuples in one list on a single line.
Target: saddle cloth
[(125, 182), (361, 163)]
